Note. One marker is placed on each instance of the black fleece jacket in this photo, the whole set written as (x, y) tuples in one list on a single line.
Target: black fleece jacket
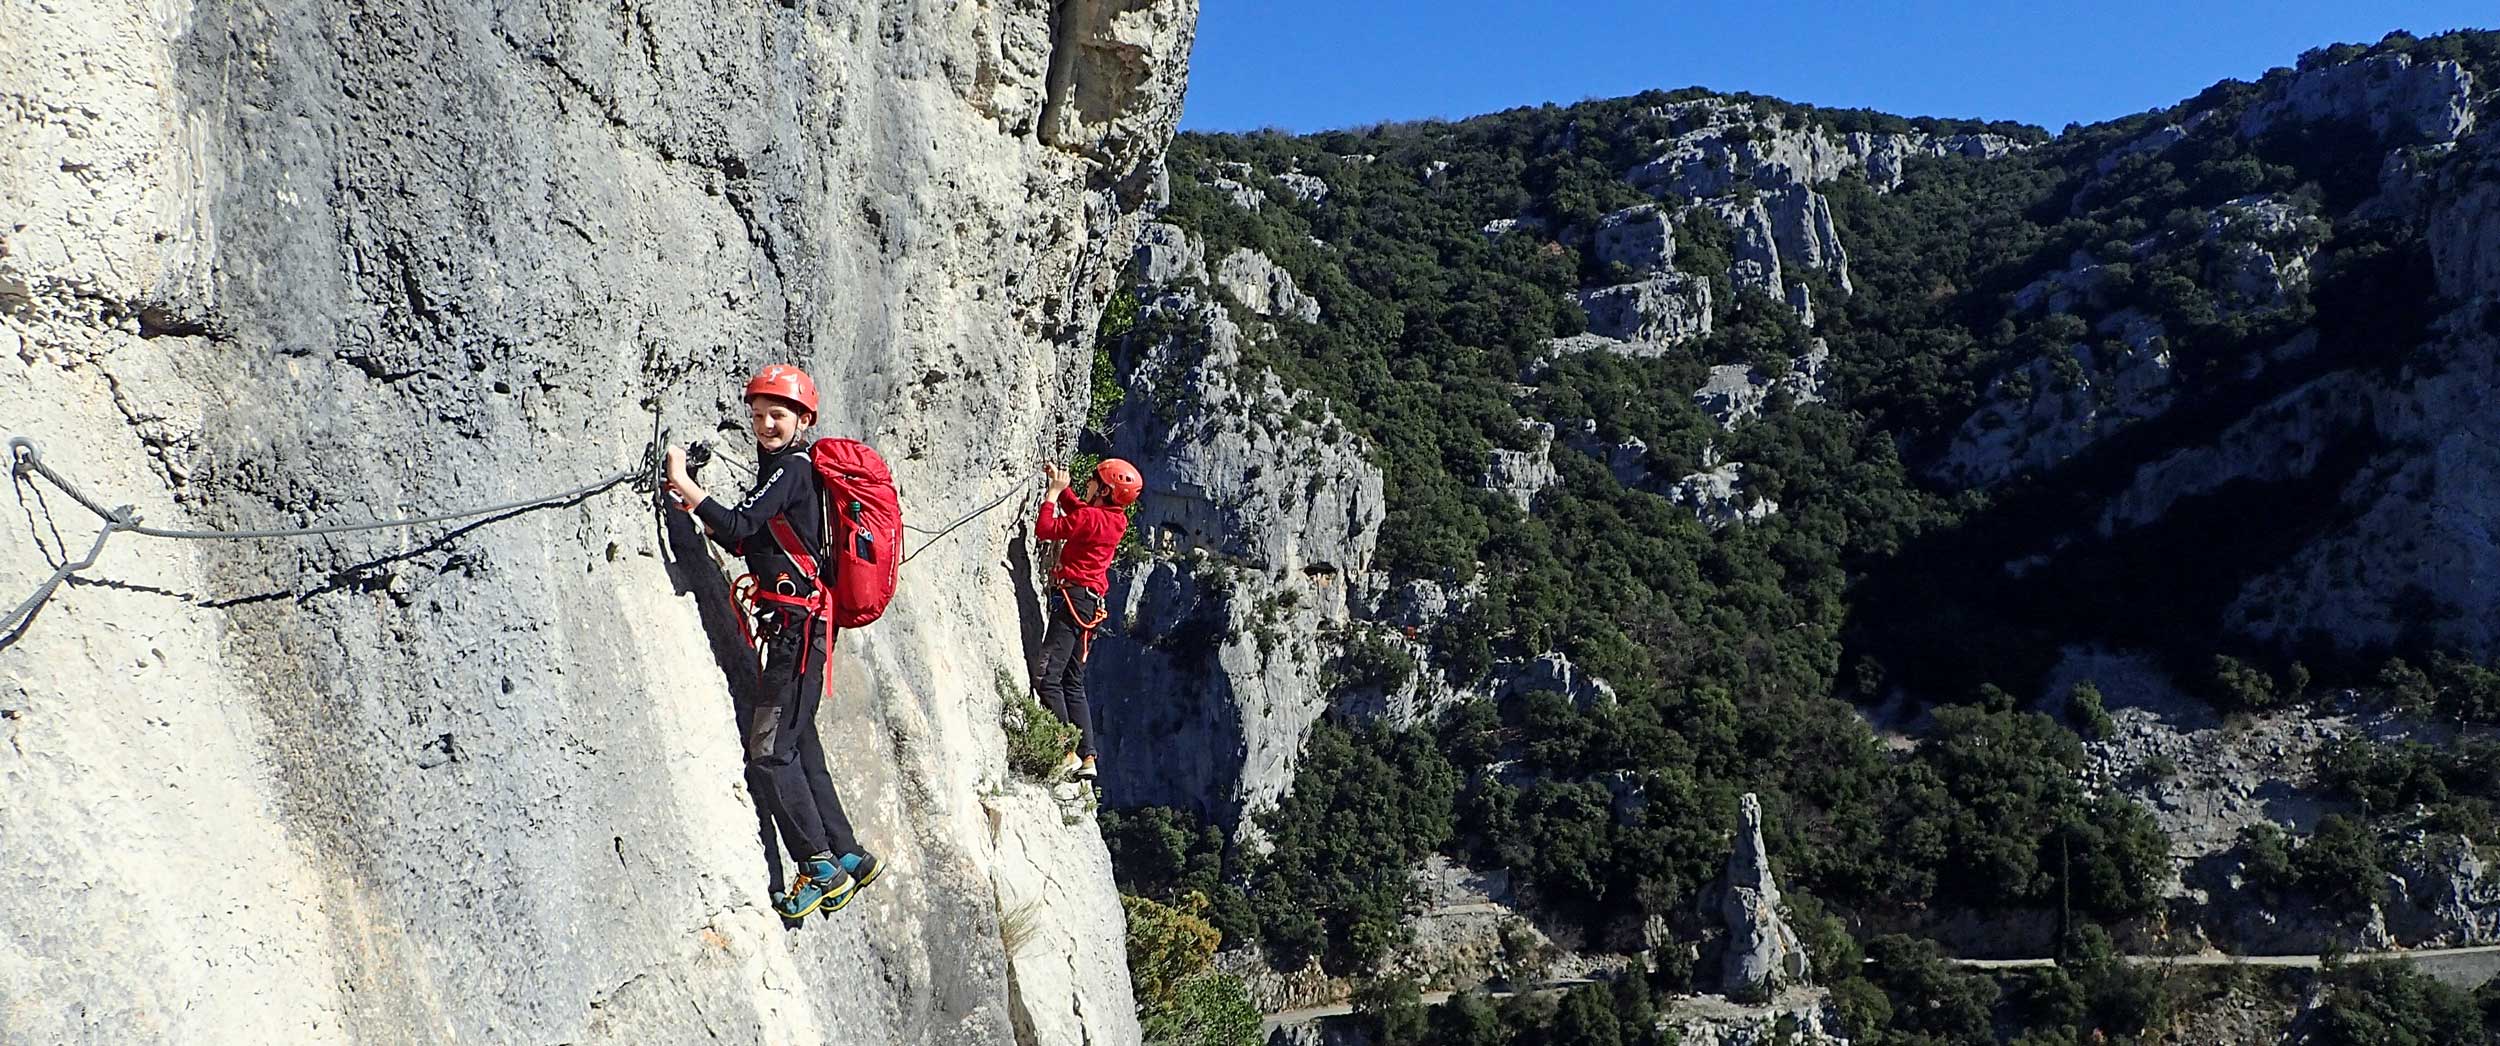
[(789, 489)]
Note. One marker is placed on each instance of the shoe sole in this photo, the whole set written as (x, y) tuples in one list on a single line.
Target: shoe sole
[(830, 903), (837, 902)]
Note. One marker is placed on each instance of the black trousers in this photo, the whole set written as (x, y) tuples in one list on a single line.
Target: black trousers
[(1061, 675), (785, 760)]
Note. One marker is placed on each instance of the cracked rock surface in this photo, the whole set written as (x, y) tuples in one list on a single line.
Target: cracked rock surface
[(300, 262)]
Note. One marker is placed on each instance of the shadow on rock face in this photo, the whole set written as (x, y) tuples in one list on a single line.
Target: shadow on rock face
[(690, 572), (1028, 598)]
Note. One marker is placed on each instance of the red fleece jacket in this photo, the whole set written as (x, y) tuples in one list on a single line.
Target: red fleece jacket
[(1092, 533)]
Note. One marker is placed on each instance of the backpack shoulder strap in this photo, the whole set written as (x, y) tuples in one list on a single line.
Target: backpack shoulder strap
[(792, 547)]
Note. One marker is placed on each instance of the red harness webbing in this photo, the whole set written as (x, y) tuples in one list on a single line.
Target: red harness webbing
[(814, 607), (1085, 629)]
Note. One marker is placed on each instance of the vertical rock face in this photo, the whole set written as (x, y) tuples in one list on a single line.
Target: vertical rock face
[(2261, 250), (2394, 95), (1641, 239), (1763, 953), (1651, 314), (2050, 409), (1166, 253), (306, 262), (2418, 513), (1760, 176), (1717, 498), (1756, 263), (2444, 891), (1256, 282), (1521, 475), (1236, 466), (1735, 392), (1308, 188), (2464, 227)]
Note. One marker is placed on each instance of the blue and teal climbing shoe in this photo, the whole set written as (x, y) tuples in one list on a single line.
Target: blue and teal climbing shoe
[(822, 886), (862, 868)]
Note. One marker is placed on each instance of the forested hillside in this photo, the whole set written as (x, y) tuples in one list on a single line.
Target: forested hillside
[(1925, 477)]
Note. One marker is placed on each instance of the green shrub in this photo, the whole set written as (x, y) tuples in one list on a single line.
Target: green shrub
[(1119, 317), (2390, 1004), (2266, 857), (2407, 687), (1930, 997), (1182, 1000), (1367, 804), (1996, 795), (1366, 660), (1825, 936), (2129, 1000), (1471, 733), (1393, 1010), (2340, 863), (1468, 1019), (1864, 1009), (2241, 685), (2085, 710), (1587, 1016), (2451, 687), (1036, 739), (1210, 1009)]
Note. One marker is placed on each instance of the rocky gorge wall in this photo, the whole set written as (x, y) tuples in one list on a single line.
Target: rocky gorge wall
[(300, 262), (1253, 606), (1200, 715)]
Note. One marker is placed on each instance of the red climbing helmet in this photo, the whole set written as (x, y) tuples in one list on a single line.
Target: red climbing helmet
[(1121, 479), (786, 382)]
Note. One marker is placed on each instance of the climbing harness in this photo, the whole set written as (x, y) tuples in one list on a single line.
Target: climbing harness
[(1084, 628), (855, 580), (27, 460), (816, 606)]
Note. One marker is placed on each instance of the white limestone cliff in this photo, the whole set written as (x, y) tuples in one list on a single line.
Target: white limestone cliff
[(309, 262), (1257, 529)]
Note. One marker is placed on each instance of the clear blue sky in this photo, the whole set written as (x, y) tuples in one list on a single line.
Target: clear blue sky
[(1307, 66)]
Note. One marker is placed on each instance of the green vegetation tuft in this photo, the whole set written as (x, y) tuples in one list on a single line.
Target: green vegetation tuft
[(1036, 739), (2390, 1004), (1182, 999), (1119, 317)]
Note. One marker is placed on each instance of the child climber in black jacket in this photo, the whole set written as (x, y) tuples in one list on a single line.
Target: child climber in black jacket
[(785, 762)]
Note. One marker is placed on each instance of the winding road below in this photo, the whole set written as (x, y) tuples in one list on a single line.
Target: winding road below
[(2468, 965)]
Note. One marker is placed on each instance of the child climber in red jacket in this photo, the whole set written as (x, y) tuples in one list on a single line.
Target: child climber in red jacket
[(1091, 526)]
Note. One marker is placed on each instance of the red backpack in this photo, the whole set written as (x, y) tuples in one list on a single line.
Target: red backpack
[(863, 534)]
